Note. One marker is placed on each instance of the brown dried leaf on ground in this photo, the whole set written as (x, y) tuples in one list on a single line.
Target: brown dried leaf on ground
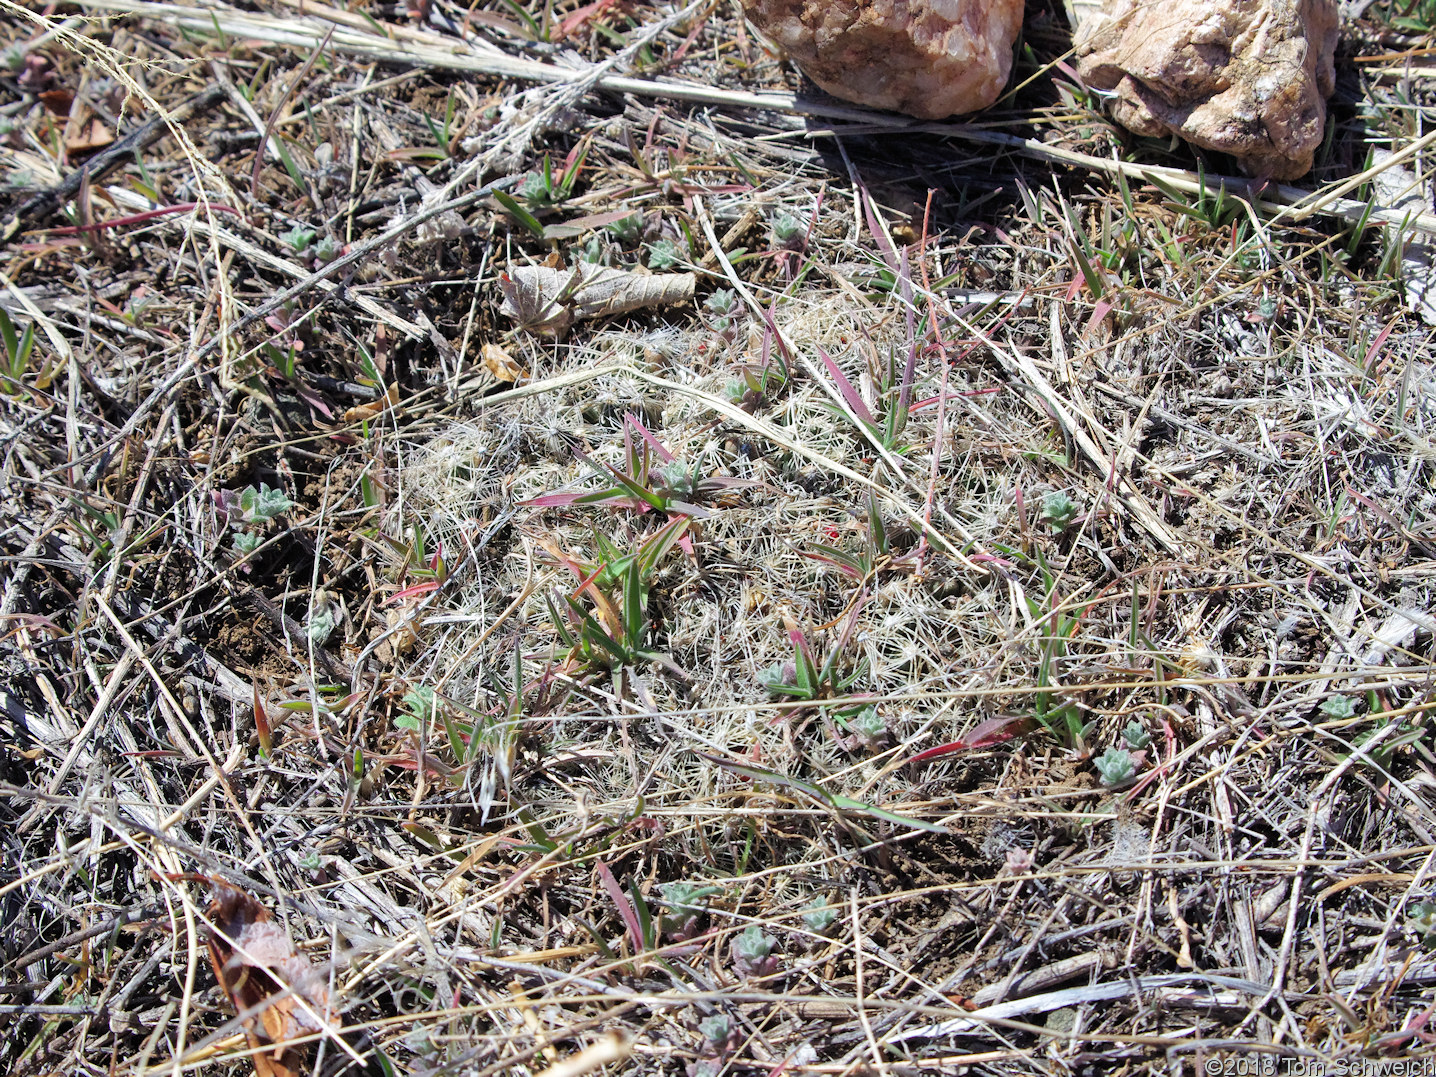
[(500, 364), (263, 976), (925, 58), (1244, 77), (550, 300)]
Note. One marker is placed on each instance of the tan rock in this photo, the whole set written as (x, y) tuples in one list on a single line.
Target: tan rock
[(928, 58), (1244, 77)]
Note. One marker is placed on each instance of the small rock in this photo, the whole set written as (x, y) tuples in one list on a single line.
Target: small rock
[(1244, 77), (928, 58)]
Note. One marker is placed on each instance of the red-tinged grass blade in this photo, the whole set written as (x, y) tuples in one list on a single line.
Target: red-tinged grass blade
[(884, 246), (642, 493), (1377, 344), (625, 908), (1099, 311), (413, 592), (830, 555), (1070, 72), (432, 766), (555, 501), (643, 432), (932, 401), (770, 317), (586, 582), (800, 642), (983, 735), (139, 218), (688, 509), (840, 803), (656, 547), (261, 724), (845, 387)]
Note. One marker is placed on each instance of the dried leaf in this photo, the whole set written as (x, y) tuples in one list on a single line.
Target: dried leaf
[(57, 102), (500, 363), (88, 137), (370, 410), (550, 300), (263, 976)]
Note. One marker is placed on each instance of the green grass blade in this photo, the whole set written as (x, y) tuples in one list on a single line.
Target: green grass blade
[(518, 213)]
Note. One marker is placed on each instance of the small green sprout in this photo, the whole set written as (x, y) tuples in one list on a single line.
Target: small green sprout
[(262, 505), (546, 187), (592, 252), (420, 708), (803, 679), (310, 861), (299, 238), (1116, 766), (723, 301), (663, 255), (1136, 735), (327, 249), (1058, 510), (246, 542), (1421, 922), (17, 348), (788, 231), (723, 306), (867, 728), (752, 952), (818, 916), (628, 230), (718, 1034), (321, 624), (535, 191), (685, 902), (1338, 707)]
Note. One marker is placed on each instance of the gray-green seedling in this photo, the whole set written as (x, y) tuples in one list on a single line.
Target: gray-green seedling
[(1421, 922), (663, 255), (262, 505), (720, 1038), (627, 230), (420, 708), (1115, 766), (1058, 510), (652, 479), (298, 239), (752, 952), (818, 915), (723, 306), (546, 187), (1136, 736), (788, 231), (866, 729), (1338, 707), (685, 902)]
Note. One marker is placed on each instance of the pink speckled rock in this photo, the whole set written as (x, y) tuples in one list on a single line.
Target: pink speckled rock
[(1245, 77), (928, 58)]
